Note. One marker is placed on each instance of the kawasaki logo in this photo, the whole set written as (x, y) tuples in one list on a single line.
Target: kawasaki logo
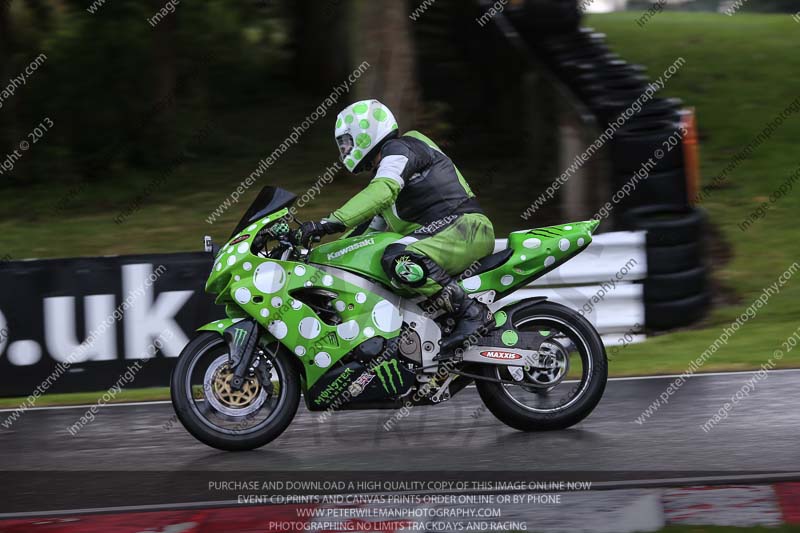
[(494, 354), (351, 248), (239, 335), (384, 373)]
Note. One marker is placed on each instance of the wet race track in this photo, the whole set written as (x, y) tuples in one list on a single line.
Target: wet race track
[(758, 438)]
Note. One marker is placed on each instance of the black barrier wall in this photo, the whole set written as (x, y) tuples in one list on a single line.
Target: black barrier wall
[(69, 325)]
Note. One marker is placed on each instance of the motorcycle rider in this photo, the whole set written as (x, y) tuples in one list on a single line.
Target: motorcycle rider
[(417, 192)]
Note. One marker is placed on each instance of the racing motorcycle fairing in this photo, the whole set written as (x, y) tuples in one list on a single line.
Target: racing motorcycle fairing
[(324, 310)]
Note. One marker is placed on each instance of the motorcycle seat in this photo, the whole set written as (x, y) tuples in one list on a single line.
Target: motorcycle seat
[(490, 262)]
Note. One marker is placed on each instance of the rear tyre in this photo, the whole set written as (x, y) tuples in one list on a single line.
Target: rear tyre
[(588, 387), (226, 419)]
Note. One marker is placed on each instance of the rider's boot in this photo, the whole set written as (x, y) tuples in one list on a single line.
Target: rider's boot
[(472, 317)]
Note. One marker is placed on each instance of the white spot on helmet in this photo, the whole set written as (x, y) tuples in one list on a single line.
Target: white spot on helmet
[(563, 245)]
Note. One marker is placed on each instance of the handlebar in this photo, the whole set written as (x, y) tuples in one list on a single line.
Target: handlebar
[(289, 240)]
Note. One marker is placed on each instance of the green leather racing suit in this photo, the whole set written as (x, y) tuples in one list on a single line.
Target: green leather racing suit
[(418, 192)]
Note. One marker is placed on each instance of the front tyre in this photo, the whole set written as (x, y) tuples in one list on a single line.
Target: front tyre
[(564, 385), (226, 419)]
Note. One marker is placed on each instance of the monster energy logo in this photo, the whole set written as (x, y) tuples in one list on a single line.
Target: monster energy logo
[(335, 387), (384, 373), (239, 336)]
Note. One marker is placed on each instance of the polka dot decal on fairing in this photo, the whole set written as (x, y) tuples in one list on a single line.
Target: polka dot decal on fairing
[(266, 290), (535, 252)]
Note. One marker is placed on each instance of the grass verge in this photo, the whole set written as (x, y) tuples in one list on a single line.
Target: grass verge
[(90, 398), (736, 77)]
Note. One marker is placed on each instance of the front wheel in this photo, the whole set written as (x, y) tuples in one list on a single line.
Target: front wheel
[(222, 417), (566, 382)]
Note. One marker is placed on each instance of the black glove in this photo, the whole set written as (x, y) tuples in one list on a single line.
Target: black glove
[(314, 230)]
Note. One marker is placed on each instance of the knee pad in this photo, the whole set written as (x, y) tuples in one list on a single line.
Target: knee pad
[(404, 267)]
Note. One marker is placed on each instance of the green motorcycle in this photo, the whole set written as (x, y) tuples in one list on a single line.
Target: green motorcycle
[(327, 322)]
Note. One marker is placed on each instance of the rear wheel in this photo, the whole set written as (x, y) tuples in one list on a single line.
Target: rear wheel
[(224, 418), (565, 383)]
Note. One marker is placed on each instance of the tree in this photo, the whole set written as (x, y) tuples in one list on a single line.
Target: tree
[(319, 42), (381, 35), (8, 123), (165, 76)]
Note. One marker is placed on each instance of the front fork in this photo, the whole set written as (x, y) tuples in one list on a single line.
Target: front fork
[(242, 339)]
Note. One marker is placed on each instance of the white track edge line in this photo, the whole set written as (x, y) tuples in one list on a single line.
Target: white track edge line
[(631, 378)]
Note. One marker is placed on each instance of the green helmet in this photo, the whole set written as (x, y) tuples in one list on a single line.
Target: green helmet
[(361, 129)]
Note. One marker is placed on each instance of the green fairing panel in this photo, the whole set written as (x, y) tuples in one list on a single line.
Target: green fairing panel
[(361, 255), (262, 288), (374, 198), (234, 257), (219, 325), (266, 295), (536, 252)]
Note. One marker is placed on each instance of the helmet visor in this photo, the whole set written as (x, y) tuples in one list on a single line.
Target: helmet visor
[(345, 143)]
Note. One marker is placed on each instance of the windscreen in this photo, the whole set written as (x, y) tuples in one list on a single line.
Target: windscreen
[(269, 200)]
